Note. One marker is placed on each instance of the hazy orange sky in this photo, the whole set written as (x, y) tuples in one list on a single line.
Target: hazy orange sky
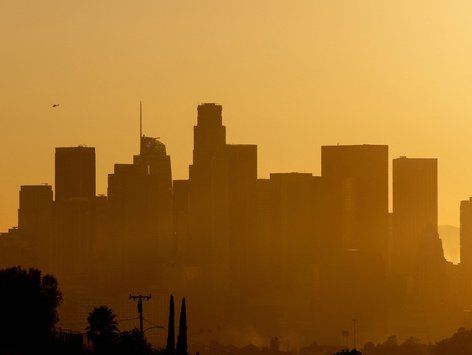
[(291, 76)]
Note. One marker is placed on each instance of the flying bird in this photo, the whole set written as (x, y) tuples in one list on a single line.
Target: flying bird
[(55, 105)]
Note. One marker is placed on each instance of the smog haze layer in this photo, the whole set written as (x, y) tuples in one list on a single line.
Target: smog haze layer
[(292, 76)]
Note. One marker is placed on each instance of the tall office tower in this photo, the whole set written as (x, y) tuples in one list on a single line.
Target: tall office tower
[(209, 137), (358, 180), (221, 202), (265, 251), (238, 198), (180, 218), (296, 219), (35, 222), (155, 163), (289, 238), (75, 173), (466, 235), (34, 214), (415, 209), (74, 211), (140, 213)]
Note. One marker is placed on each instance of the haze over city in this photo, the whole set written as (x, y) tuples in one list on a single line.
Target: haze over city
[(236, 177), (292, 76)]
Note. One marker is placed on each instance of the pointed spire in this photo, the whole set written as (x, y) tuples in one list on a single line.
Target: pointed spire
[(140, 120), (182, 348), (170, 348)]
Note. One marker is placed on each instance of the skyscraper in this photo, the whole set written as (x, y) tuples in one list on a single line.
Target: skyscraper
[(140, 211), (239, 186), (222, 187), (415, 208), (75, 173), (74, 210), (181, 218), (35, 223), (209, 145), (209, 135), (35, 212), (295, 233), (466, 235), (357, 176)]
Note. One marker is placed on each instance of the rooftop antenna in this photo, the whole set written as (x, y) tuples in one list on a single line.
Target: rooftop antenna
[(140, 120)]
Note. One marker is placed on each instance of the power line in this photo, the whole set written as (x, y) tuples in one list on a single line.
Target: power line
[(154, 324)]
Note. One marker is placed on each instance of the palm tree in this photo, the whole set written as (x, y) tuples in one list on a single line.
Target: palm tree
[(102, 327)]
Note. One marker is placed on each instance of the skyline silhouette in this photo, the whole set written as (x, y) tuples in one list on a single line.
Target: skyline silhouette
[(236, 177), (149, 143), (233, 242), (325, 73), (316, 169)]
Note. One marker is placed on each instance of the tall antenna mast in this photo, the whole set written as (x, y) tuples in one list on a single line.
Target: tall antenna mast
[(140, 120)]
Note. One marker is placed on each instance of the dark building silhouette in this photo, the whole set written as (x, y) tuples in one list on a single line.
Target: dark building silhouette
[(209, 144), (358, 180), (221, 206), (295, 238), (290, 242), (415, 208), (180, 219), (74, 211), (430, 265), (266, 261), (240, 188), (466, 235), (75, 173), (35, 208), (140, 211), (35, 222)]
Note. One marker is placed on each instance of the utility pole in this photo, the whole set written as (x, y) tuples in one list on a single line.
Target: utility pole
[(140, 299)]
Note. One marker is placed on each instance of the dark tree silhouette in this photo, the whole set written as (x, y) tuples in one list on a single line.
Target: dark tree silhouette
[(410, 346), (28, 309), (349, 352), (170, 347), (459, 344), (102, 328), (132, 343), (182, 338)]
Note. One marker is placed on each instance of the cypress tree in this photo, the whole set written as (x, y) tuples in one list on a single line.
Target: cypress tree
[(170, 348), (182, 338)]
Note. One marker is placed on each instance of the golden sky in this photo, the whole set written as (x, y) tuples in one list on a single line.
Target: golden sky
[(291, 76)]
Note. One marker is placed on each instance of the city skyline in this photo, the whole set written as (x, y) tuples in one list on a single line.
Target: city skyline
[(312, 72), (102, 184), (292, 176), (231, 241)]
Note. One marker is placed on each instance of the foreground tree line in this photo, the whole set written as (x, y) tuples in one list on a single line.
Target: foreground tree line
[(460, 343), (105, 337), (28, 316)]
